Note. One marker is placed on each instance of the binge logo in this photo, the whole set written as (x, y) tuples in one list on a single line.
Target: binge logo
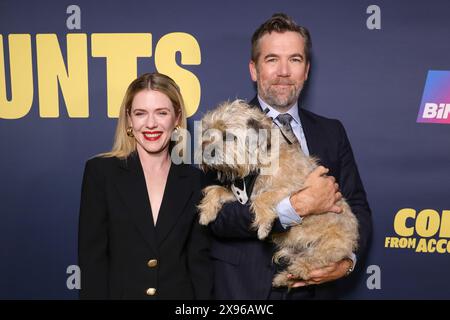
[(435, 105)]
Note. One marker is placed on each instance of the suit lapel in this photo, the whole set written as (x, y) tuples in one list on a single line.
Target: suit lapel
[(177, 192), (132, 187), (318, 143), (255, 103), (309, 132)]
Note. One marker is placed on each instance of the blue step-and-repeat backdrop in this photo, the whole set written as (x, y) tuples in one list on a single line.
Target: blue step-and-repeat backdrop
[(381, 67)]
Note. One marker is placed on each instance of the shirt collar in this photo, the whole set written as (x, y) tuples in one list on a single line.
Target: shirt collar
[(273, 113)]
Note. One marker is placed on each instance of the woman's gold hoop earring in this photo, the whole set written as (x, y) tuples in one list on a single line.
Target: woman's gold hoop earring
[(130, 132)]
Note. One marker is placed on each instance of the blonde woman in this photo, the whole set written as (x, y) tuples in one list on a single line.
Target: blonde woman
[(138, 232)]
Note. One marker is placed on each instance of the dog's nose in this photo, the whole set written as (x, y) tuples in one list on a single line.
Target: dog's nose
[(213, 153)]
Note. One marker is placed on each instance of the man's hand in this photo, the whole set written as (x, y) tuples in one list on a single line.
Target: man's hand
[(320, 195), (329, 273)]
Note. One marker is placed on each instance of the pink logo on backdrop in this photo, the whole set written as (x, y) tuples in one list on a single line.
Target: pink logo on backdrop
[(435, 105)]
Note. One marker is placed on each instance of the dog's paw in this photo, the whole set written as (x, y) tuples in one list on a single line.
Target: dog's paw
[(207, 217), (264, 230), (204, 221), (281, 280), (206, 214)]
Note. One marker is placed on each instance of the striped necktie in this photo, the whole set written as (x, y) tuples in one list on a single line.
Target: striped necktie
[(285, 126)]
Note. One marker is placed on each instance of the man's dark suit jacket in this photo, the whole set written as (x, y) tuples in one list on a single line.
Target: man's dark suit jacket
[(243, 267), (117, 237)]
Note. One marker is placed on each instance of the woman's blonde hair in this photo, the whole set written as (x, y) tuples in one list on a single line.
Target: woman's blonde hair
[(123, 144)]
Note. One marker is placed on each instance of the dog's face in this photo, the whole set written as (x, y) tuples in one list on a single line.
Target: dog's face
[(235, 139)]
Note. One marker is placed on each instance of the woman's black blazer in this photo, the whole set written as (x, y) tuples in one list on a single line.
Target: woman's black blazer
[(122, 254)]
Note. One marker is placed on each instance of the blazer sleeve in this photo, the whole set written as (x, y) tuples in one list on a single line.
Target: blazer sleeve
[(353, 191), (199, 263), (93, 235), (234, 220)]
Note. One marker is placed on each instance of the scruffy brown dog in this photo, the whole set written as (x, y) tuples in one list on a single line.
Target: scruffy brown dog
[(230, 148)]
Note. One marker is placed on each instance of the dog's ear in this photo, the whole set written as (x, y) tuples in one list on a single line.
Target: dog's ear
[(265, 124), (258, 123), (254, 124), (220, 125)]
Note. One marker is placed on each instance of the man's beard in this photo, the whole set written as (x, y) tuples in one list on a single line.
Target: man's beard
[(280, 101)]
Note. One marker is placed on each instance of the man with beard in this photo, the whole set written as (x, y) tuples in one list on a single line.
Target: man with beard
[(280, 64)]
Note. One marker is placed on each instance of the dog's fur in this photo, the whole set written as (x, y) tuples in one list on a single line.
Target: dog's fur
[(315, 243)]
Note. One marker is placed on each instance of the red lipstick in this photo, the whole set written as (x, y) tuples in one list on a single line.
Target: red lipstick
[(152, 135)]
